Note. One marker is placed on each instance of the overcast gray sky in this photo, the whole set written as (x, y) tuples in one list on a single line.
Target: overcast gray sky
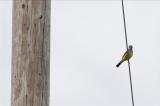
[(5, 51), (87, 41)]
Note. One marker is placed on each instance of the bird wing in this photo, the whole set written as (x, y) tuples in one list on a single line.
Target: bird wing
[(125, 56)]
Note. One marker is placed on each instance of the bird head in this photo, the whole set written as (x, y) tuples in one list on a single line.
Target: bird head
[(130, 46)]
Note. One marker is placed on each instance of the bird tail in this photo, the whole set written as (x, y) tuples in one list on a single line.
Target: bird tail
[(119, 63)]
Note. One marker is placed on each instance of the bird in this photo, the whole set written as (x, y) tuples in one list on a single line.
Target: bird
[(127, 55)]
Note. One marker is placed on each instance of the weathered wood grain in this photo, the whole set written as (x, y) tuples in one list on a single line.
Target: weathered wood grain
[(30, 53)]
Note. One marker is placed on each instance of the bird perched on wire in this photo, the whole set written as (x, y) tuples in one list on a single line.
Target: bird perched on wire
[(127, 55)]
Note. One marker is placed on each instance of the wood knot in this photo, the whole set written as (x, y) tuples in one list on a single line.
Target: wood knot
[(23, 5), (41, 17)]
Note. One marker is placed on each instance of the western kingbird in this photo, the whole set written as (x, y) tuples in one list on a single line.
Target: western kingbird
[(127, 55)]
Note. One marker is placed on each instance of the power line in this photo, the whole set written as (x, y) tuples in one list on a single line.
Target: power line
[(127, 50)]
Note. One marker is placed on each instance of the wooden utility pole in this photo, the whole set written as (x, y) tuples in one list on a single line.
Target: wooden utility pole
[(30, 53)]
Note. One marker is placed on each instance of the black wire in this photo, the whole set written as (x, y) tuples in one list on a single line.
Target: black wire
[(127, 50), (125, 29), (131, 83)]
